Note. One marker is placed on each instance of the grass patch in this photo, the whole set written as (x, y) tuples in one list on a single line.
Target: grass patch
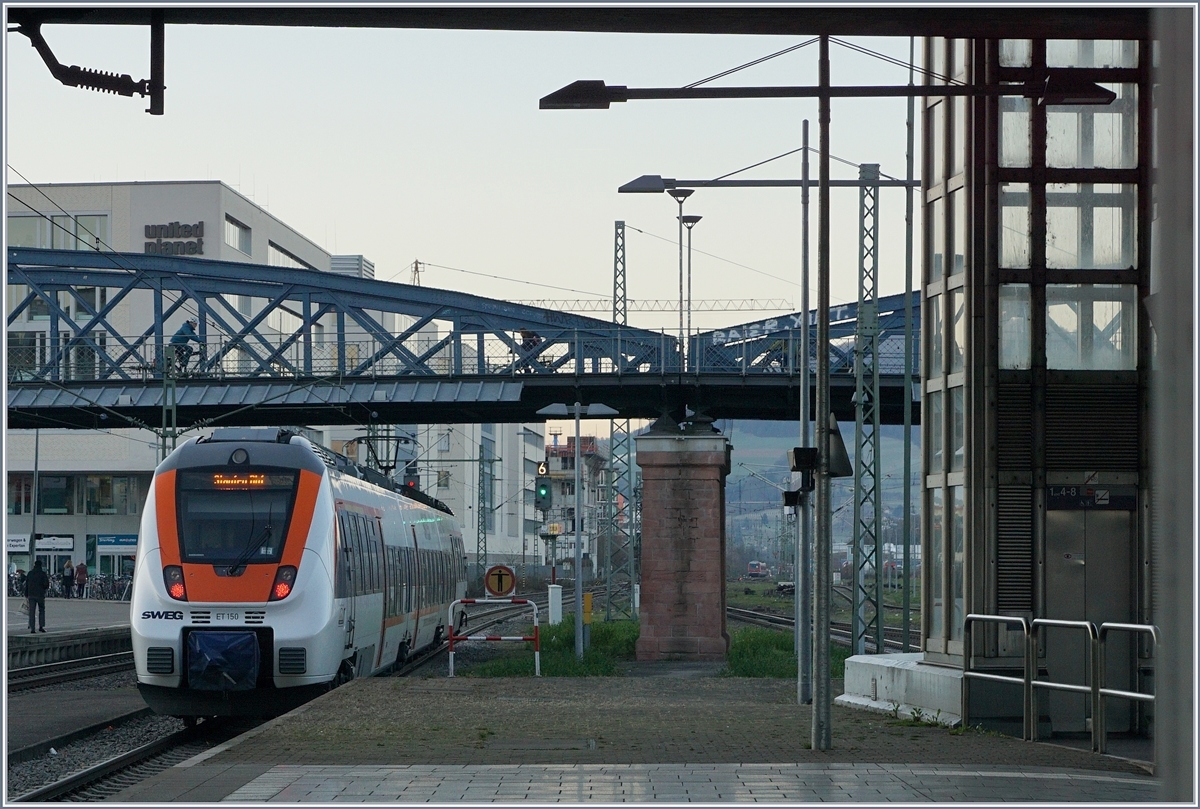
[(612, 643), (757, 652)]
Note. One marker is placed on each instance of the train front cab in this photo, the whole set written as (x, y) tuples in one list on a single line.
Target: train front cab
[(233, 610)]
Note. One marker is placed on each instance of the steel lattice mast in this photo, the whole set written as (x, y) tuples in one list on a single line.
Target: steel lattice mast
[(868, 503), (620, 561)]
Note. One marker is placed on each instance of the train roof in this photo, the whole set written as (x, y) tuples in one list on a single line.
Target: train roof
[(331, 459)]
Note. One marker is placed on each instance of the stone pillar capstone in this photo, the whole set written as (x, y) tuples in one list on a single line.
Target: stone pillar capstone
[(682, 610)]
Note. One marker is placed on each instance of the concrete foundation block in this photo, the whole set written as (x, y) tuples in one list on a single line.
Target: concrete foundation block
[(903, 684)]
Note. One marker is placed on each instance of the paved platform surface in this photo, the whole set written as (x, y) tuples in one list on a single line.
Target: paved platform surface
[(68, 615), (682, 736)]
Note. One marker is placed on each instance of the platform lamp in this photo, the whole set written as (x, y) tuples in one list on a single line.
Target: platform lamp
[(578, 410), (680, 194), (689, 222)]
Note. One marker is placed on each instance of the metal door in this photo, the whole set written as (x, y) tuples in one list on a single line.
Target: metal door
[(1088, 566)]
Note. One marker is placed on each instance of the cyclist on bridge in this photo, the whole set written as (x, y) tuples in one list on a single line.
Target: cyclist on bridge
[(179, 343)]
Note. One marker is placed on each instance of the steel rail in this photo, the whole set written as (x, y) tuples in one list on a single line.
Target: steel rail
[(27, 677)]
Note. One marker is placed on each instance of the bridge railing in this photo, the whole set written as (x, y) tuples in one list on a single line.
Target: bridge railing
[(493, 353)]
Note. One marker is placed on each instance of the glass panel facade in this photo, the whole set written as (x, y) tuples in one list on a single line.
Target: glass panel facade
[(957, 426), (1100, 136), (1091, 53), (1014, 225), (938, 161), (958, 248), (1091, 226), (958, 329), (937, 241), (1014, 132), (932, 432), (959, 134), (937, 562), (1016, 52), (1015, 313), (934, 367), (958, 548), (1091, 327)]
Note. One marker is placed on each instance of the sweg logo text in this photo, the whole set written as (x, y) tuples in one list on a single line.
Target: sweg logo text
[(170, 615)]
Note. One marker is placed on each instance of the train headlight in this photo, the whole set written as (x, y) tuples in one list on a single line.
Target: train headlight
[(285, 578), (173, 578)]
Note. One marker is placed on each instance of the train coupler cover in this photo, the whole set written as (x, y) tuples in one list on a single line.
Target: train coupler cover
[(222, 661)]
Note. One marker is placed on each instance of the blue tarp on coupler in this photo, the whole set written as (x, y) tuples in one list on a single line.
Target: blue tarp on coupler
[(222, 661)]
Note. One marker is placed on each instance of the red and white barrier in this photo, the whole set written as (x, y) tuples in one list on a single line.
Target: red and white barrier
[(535, 637)]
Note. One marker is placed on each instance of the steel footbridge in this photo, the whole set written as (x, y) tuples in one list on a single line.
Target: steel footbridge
[(89, 346)]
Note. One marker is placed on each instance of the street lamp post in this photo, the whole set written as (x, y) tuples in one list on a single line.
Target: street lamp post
[(680, 194), (578, 410), (689, 222)]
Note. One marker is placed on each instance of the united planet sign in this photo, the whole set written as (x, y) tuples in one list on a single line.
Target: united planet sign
[(175, 239)]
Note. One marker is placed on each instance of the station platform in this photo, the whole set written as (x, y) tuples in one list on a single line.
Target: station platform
[(75, 628), (661, 733), (69, 615)]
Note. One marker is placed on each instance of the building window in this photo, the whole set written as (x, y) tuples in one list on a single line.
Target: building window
[(66, 232), (237, 235), (20, 492), (443, 444), (56, 494), (443, 479), (25, 231), (279, 257), (568, 488), (112, 494)]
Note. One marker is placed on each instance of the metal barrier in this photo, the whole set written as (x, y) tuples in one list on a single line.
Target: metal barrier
[(535, 637), (1090, 690), (1096, 666), (1028, 719), (1099, 725)]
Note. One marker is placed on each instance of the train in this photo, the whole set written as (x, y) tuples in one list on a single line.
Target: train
[(270, 569), (757, 570)]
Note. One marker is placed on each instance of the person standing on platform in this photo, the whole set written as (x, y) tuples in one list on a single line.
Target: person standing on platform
[(36, 585), (81, 575), (68, 579)]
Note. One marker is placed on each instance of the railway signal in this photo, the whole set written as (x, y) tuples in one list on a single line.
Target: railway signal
[(543, 499)]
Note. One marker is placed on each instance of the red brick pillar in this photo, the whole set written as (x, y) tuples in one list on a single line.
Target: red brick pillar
[(682, 610)]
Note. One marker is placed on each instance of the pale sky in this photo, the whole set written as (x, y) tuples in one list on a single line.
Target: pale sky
[(429, 145)]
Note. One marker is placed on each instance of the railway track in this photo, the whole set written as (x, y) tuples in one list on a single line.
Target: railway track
[(839, 632), (28, 677), (107, 778)]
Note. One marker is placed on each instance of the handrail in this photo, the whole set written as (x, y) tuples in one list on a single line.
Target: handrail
[(1099, 715), (1026, 673), (1090, 690), (1096, 665)]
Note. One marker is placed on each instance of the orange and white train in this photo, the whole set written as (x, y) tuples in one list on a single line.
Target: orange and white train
[(270, 569)]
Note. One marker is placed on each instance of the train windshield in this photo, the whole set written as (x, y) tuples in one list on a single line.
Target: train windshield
[(234, 517)]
